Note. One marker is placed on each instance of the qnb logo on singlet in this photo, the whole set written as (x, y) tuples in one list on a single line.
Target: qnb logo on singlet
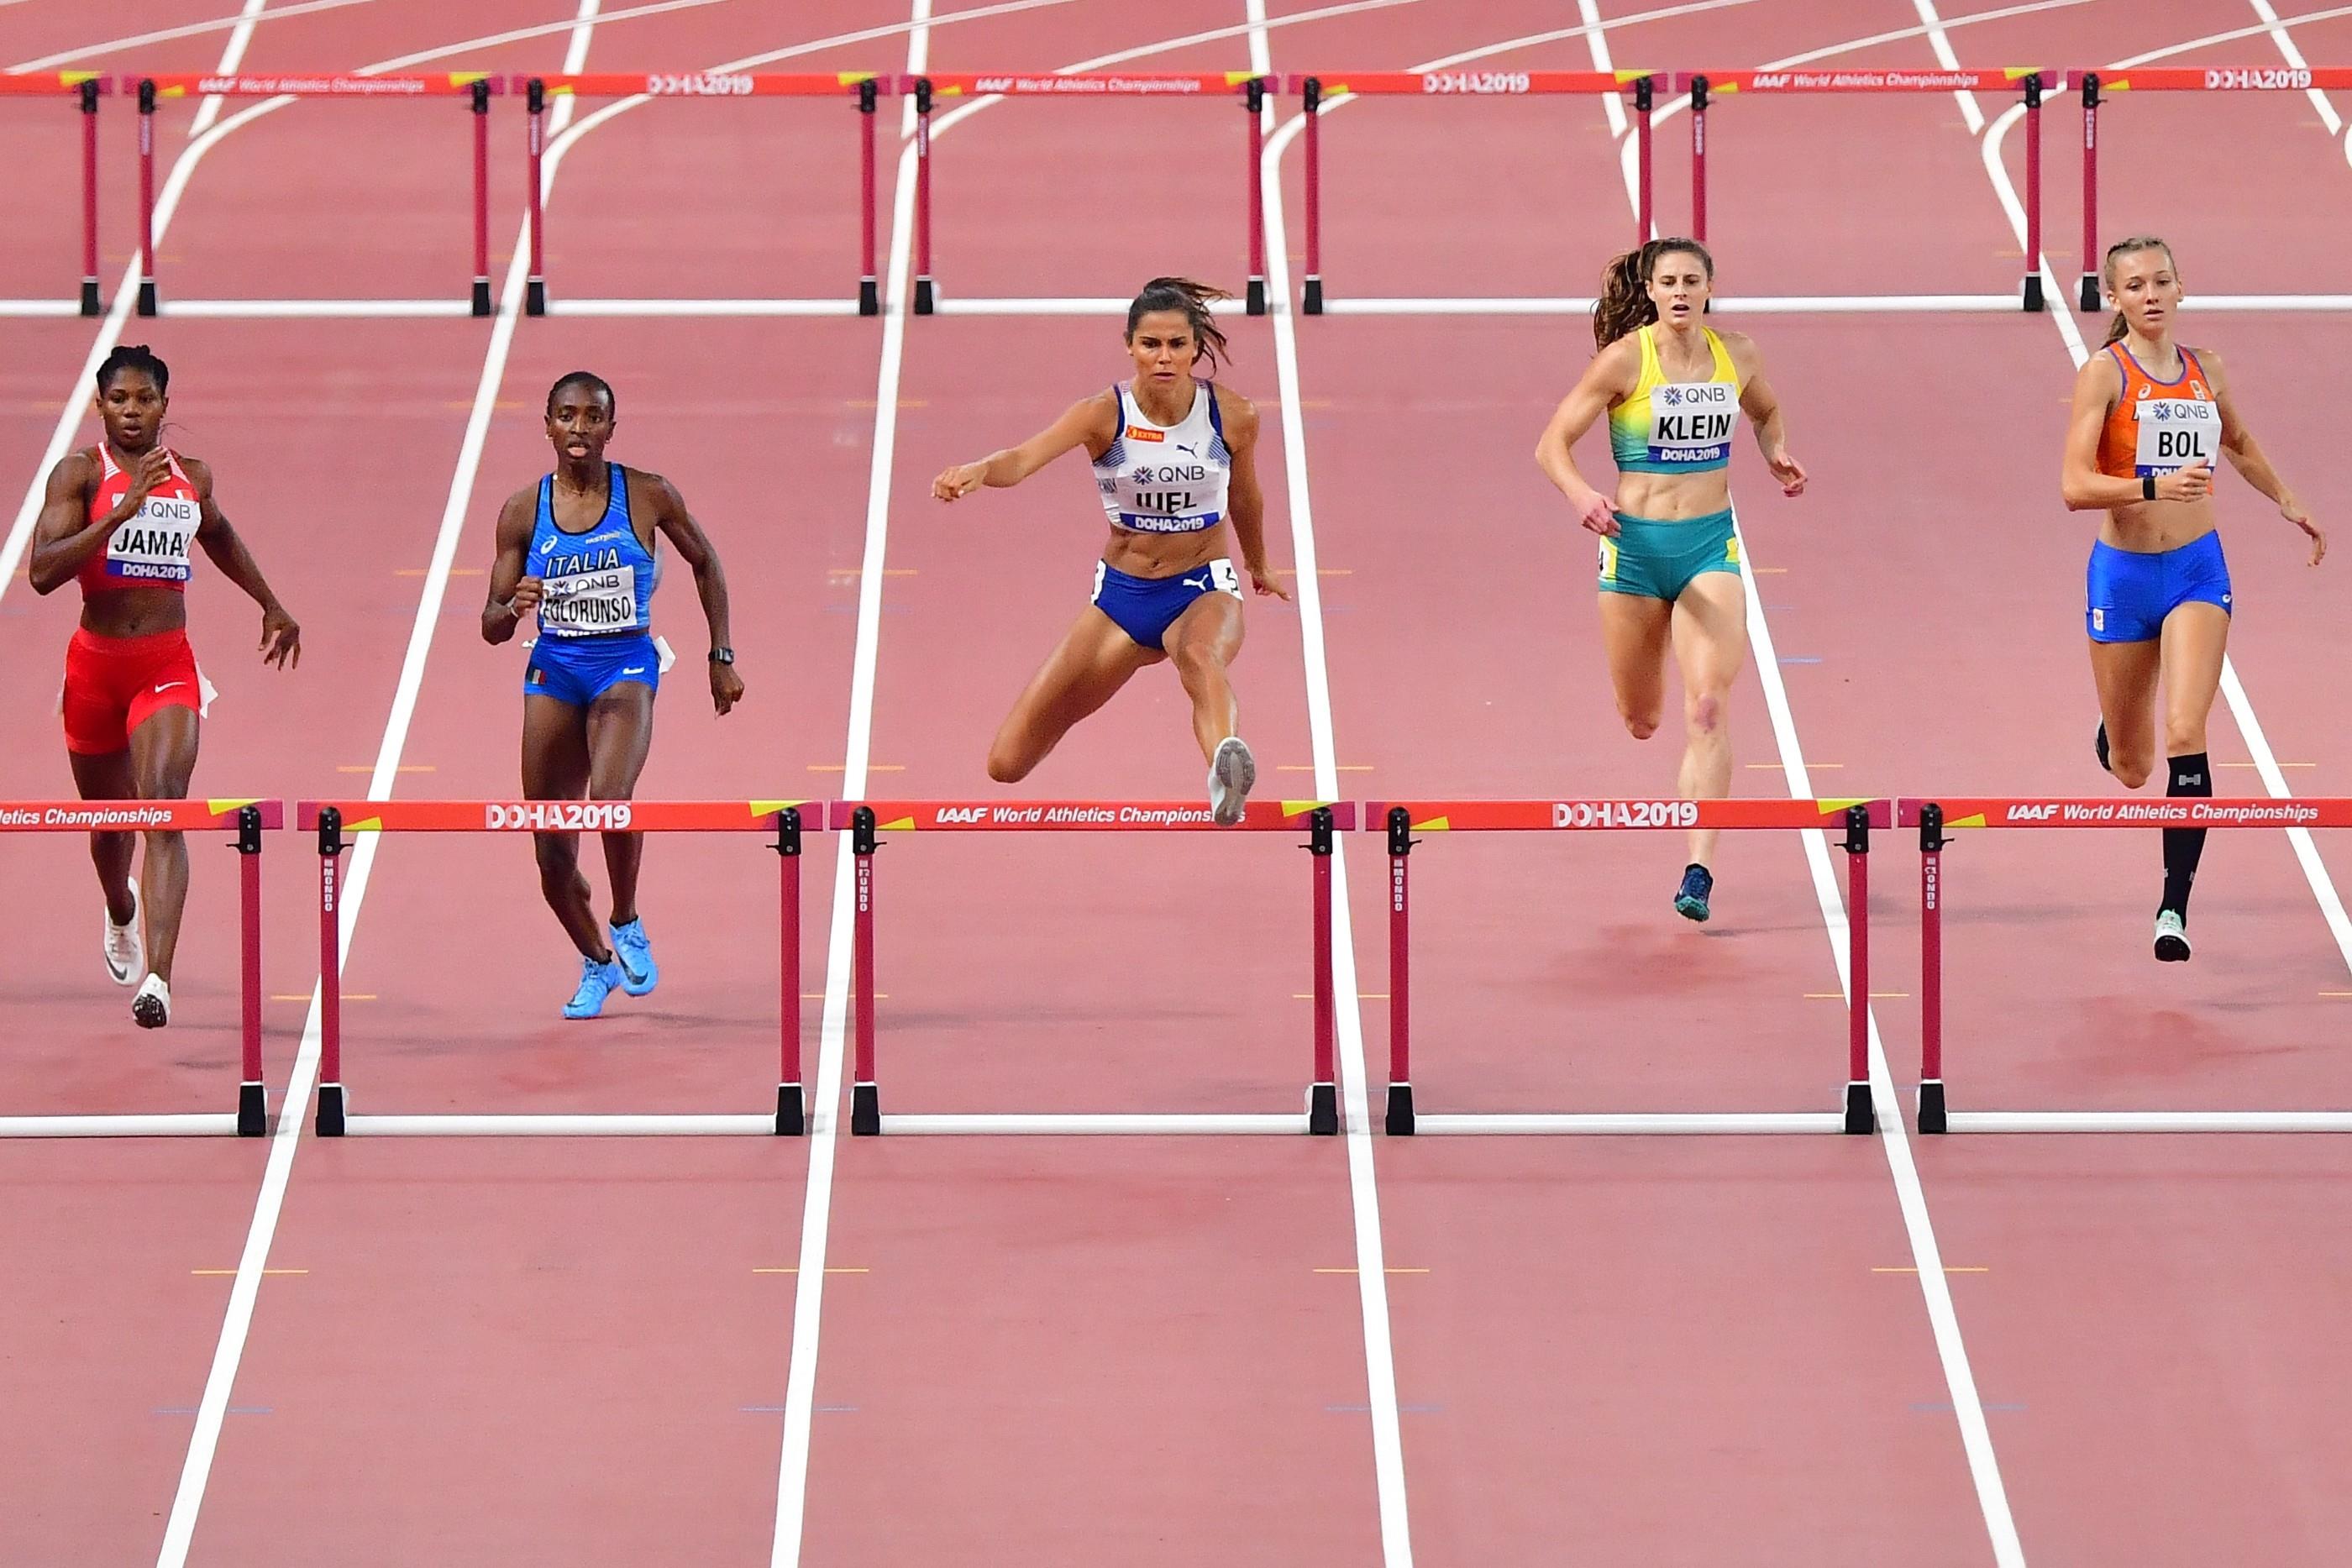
[(2175, 433), (588, 591), (1690, 421), (153, 545)]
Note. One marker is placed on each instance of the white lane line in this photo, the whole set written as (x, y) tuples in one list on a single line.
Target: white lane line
[(237, 1325), (816, 1203), (2293, 54), (186, 30), (1363, 1187)]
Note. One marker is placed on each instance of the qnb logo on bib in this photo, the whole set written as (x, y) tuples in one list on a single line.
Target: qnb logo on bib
[(1691, 421), (153, 545), (583, 603), (2175, 433)]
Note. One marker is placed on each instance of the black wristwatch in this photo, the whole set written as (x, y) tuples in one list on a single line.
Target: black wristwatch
[(722, 655), (2147, 487)]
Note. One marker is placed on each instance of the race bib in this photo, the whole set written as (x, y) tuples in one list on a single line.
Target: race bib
[(153, 545), (1690, 421), (2175, 433), (584, 603)]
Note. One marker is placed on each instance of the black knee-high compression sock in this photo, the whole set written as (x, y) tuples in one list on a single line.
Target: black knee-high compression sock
[(2191, 774)]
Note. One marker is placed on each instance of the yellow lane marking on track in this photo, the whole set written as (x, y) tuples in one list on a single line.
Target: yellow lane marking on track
[(2257, 765), (231, 1273), (348, 996), (1309, 768), (1360, 995), (453, 572), (2336, 993), (1320, 571), (1783, 570), (1808, 762), (903, 403), (1948, 1268), (829, 1268), (1390, 1271), (403, 767), (504, 405), (819, 996), (871, 767), (1875, 996), (860, 571)]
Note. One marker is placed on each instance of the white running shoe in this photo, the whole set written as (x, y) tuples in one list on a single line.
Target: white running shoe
[(1233, 773), (2171, 937), (126, 946), (152, 1007)]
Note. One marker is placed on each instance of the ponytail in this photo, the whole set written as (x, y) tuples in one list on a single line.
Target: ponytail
[(2117, 327), (1625, 306), (1192, 299)]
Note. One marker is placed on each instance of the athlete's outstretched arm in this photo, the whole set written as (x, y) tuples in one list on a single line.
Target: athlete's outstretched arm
[(2253, 465), (281, 639), (675, 522), (1762, 406), (1092, 423), (512, 595), (1610, 376), (2097, 385), (1245, 498), (65, 537)]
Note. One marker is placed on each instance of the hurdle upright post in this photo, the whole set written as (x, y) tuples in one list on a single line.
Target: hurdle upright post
[(252, 1093), (2033, 191), (535, 139), (481, 107), (1644, 100), (1698, 159), (330, 975), (2090, 286), (866, 1094), (146, 195), (1400, 1107), (90, 92), (1311, 290), (1323, 1095), (1931, 968), (926, 296), (1254, 148), (869, 286), (1859, 1117), (791, 1104)]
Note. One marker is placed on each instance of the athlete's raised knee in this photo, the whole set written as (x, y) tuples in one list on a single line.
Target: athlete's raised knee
[(2131, 772), (1006, 767), (1640, 725)]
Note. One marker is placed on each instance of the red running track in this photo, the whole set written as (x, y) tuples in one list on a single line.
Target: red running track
[(1150, 1350)]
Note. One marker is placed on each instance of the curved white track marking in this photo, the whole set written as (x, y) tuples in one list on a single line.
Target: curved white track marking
[(237, 1325), (2242, 708), (186, 30), (2293, 54), (2229, 36), (1363, 1185)]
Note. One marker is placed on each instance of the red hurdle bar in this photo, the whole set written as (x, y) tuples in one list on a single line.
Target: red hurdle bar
[(2032, 81), (475, 86), (85, 87), (863, 88), (1934, 819), (1318, 90), (868, 819), (249, 820), (2096, 84), (1402, 820), (333, 821), (1248, 85)]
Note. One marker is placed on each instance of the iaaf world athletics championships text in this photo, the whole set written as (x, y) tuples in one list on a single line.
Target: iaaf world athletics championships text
[(2189, 812), (86, 817)]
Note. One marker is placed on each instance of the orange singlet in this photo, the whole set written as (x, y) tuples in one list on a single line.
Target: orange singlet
[(2160, 427)]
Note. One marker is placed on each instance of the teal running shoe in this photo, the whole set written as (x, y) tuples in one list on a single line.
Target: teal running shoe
[(1690, 899), (634, 950), (596, 982)]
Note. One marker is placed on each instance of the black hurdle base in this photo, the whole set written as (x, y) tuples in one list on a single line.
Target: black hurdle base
[(1931, 1105), (791, 1116), (1859, 1116), (1400, 1121), (331, 1111), (1323, 1109), (866, 1110), (252, 1110)]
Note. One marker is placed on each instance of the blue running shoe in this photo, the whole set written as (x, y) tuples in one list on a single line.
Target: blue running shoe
[(596, 983), (634, 950), (1690, 900)]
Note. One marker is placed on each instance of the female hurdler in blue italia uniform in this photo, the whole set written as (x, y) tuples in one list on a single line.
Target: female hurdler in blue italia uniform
[(578, 548)]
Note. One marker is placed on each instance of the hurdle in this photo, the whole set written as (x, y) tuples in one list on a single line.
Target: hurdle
[(334, 821), (85, 88), (1933, 817), (475, 87), (249, 820), (1246, 88), (867, 820), (1400, 822), (860, 88)]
